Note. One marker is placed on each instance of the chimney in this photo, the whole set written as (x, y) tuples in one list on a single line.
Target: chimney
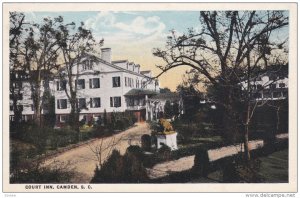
[(106, 54)]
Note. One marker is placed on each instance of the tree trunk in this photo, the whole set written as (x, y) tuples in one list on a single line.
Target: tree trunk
[(246, 133)]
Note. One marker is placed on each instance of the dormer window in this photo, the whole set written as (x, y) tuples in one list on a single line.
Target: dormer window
[(61, 85), (87, 65)]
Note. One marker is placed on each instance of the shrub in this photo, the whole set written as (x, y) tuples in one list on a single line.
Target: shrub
[(122, 169), (237, 171), (146, 142), (201, 162), (42, 175), (164, 152)]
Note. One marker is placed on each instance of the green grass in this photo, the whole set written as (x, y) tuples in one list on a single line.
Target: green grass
[(197, 141), (274, 169)]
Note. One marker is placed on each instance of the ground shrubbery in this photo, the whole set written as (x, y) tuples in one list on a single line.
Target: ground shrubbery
[(122, 169)]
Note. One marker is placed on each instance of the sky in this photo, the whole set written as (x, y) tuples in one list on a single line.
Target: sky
[(133, 35)]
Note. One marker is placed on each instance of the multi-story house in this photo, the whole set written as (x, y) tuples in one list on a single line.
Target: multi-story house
[(22, 86), (270, 85), (102, 84)]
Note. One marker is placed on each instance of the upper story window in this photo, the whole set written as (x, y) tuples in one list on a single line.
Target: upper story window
[(94, 83), (95, 102), (137, 83), (81, 103), (125, 81), (281, 85), (87, 65), (18, 85), (61, 85), (276, 94), (80, 84), (272, 86), (115, 101), (116, 81), (62, 104)]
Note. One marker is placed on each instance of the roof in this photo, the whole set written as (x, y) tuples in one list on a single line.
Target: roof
[(119, 61), (138, 92), (167, 96), (146, 71)]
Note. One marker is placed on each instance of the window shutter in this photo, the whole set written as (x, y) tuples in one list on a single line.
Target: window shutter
[(119, 101), (91, 102), (58, 104), (111, 101), (57, 85), (83, 85), (90, 83), (99, 102), (68, 103)]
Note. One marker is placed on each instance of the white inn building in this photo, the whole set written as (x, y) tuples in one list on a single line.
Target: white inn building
[(102, 84)]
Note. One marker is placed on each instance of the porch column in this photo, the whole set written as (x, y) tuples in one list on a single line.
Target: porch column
[(147, 106)]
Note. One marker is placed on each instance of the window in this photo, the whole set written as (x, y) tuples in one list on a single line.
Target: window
[(116, 81), (276, 94), (125, 81), (257, 95), (144, 84), (87, 65), (136, 102), (95, 102), (18, 85), (32, 107), (61, 85), (272, 86), (94, 83), (285, 94), (267, 94), (137, 83), (63, 118), (62, 103), (130, 102), (81, 103), (11, 107), (115, 101), (281, 85), (80, 84)]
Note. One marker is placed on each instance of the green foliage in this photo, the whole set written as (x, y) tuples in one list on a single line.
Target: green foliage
[(49, 104), (164, 153), (122, 169), (146, 142), (168, 110), (122, 120), (105, 118), (201, 163), (30, 172), (235, 171)]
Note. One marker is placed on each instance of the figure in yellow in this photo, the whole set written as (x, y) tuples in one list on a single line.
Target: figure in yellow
[(165, 126)]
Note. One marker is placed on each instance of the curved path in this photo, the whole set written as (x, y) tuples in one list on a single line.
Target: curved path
[(83, 158)]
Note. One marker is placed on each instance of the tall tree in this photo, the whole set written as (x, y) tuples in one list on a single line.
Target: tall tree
[(16, 34), (74, 44), (41, 58), (230, 48)]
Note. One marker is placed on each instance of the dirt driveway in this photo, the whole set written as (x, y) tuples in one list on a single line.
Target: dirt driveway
[(83, 158)]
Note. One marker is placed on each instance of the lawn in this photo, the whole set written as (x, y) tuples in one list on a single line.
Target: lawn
[(274, 169)]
